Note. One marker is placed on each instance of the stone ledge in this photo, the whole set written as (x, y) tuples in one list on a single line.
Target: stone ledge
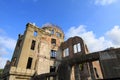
[(20, 71)]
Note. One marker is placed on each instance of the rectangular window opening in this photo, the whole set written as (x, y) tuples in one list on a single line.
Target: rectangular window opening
[(53, 41), (33, 44), (66, 52), (52, 32), (53, 54), (52, 68), (78, 47), (35, 33), (81, 66), (38, 47), (58, 34), (75, 48), (29, 63)]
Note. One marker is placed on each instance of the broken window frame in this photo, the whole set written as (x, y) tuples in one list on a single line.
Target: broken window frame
[(53, 41), (58, 34), (52, 69), (66, 52), (29, 63), (52, 31), (35, 33), (77, 48), (53, 54), (81, 66), (33, 45)]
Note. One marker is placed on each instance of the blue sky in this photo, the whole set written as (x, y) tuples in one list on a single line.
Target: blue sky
[(96, 21)]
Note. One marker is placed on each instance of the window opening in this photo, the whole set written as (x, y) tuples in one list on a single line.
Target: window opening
[(52, 68), (33, 44), (52, 31), (66, 52), (53, 54), (38, 47), (75, 48), (35, 33), (53, 41), (58, 34), (81, 67), (78, 47), (29, 63)]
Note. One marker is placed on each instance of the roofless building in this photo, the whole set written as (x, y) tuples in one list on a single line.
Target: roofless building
[(42, 54)]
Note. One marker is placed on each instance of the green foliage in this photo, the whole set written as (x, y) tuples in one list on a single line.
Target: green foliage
[(81, 66), (1, 71)]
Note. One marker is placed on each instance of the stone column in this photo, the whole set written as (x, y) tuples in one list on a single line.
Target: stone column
[(77, 72), (91, 71)]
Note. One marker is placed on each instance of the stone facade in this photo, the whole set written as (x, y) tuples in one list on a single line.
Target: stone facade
[(42, 54), (76, 45), (35, 53)]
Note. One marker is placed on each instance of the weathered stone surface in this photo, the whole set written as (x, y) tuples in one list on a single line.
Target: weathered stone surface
[(72, 61), (32, 54)]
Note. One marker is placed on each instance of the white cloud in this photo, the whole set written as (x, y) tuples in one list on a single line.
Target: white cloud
[(104, 2), (114, 35), (7, 45), (2, 62), (6, 42), (93, 43), (76, 31)]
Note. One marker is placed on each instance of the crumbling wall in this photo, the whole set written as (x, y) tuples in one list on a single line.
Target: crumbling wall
[(110, 64)]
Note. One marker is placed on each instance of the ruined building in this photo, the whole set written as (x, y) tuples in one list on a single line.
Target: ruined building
[(42, 54)]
